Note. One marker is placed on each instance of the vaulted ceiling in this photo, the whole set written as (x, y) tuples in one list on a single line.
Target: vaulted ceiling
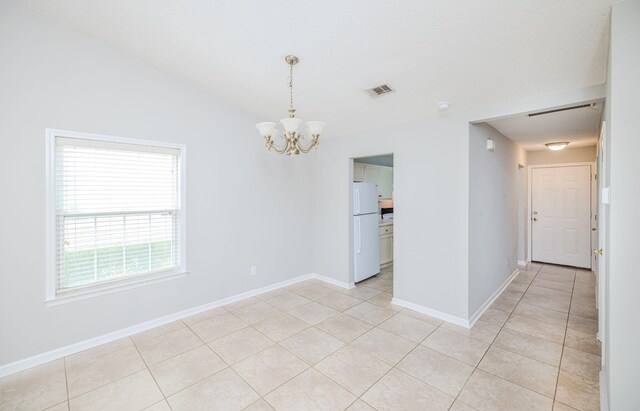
[(468, 52)]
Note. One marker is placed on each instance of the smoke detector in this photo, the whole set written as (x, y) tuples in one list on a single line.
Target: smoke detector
[(380, 90)]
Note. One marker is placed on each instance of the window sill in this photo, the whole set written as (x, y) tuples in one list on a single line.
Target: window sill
[(110, 288)]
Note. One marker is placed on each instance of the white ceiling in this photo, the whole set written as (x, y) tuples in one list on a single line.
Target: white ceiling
[(468, 52), (580, 127)]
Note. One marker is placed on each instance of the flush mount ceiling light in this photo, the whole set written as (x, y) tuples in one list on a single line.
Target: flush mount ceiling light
[(292, 126), (444, 105), (557, 146)]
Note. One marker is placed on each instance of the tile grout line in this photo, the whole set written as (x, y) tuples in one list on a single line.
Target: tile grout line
[(66, 379), (149, 369), (564, 340)]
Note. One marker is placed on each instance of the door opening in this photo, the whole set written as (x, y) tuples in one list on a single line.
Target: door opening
[(372, 228)]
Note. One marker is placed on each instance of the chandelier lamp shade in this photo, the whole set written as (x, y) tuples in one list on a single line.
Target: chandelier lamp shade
[(290, 140)]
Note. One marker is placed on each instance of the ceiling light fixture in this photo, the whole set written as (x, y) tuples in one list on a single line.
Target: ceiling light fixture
[(444, 105), (292, 126), (557, 146)]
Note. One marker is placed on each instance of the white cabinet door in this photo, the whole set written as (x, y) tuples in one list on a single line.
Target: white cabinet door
[(386, 249), (385, 182), (371, 174), (358, 172), (561, 214)]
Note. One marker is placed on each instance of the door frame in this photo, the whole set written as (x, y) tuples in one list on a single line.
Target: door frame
[(592, 202), (602, 210), (350, 161)]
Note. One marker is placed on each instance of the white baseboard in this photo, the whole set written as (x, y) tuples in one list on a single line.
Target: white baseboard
[(333, 281), (523, 262), (125, 332), (492, 298), (604, 390), (429, 311)]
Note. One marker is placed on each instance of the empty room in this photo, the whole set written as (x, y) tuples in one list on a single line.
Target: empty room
[(331, 205)]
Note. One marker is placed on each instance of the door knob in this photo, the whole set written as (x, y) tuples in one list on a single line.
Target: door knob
[(535, 213), (593, 229), (535, 219), (597, 251)]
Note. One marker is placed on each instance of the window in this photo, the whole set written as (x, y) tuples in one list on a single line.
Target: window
[(116, 213)]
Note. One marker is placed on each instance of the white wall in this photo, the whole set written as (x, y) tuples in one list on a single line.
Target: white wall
[(430, 209), (523, 214), (493, 212), (245, 207), (568, 155), (622, 371)]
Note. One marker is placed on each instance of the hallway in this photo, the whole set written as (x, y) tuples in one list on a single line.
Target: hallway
[(546, 344)]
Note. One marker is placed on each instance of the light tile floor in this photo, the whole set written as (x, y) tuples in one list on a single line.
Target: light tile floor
[(314, 346)]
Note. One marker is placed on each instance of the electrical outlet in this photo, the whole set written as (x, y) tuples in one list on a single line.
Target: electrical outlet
[(254, 270)]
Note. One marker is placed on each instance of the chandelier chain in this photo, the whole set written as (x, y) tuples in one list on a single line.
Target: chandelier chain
[(291, 86)]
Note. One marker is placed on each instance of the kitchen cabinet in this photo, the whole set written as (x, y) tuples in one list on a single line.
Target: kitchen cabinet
[(386, 246), (380, 175), (358, 172), (371, 174), (385, 182)]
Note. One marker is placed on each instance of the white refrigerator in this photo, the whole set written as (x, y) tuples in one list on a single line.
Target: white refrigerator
[(366, 233)]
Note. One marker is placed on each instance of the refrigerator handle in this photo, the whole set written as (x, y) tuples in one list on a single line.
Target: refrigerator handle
[(358, 232), (357, 201)]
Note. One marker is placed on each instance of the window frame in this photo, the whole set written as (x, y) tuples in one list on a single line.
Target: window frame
[(52, 297)]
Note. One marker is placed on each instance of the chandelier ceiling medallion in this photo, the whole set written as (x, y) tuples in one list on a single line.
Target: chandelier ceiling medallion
[(293, 131)]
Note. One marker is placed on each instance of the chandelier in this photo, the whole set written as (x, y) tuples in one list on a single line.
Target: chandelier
[(293, 134)]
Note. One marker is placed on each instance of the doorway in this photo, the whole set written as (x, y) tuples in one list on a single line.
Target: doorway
[(561, 214), (372, 213)]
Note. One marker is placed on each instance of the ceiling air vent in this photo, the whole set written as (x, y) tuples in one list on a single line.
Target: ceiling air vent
[(379, 90), (540, 113)]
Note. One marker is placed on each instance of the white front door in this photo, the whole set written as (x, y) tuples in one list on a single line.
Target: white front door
[(561, 215)]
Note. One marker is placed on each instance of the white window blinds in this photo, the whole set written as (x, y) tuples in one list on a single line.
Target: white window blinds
[(117, 211)]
